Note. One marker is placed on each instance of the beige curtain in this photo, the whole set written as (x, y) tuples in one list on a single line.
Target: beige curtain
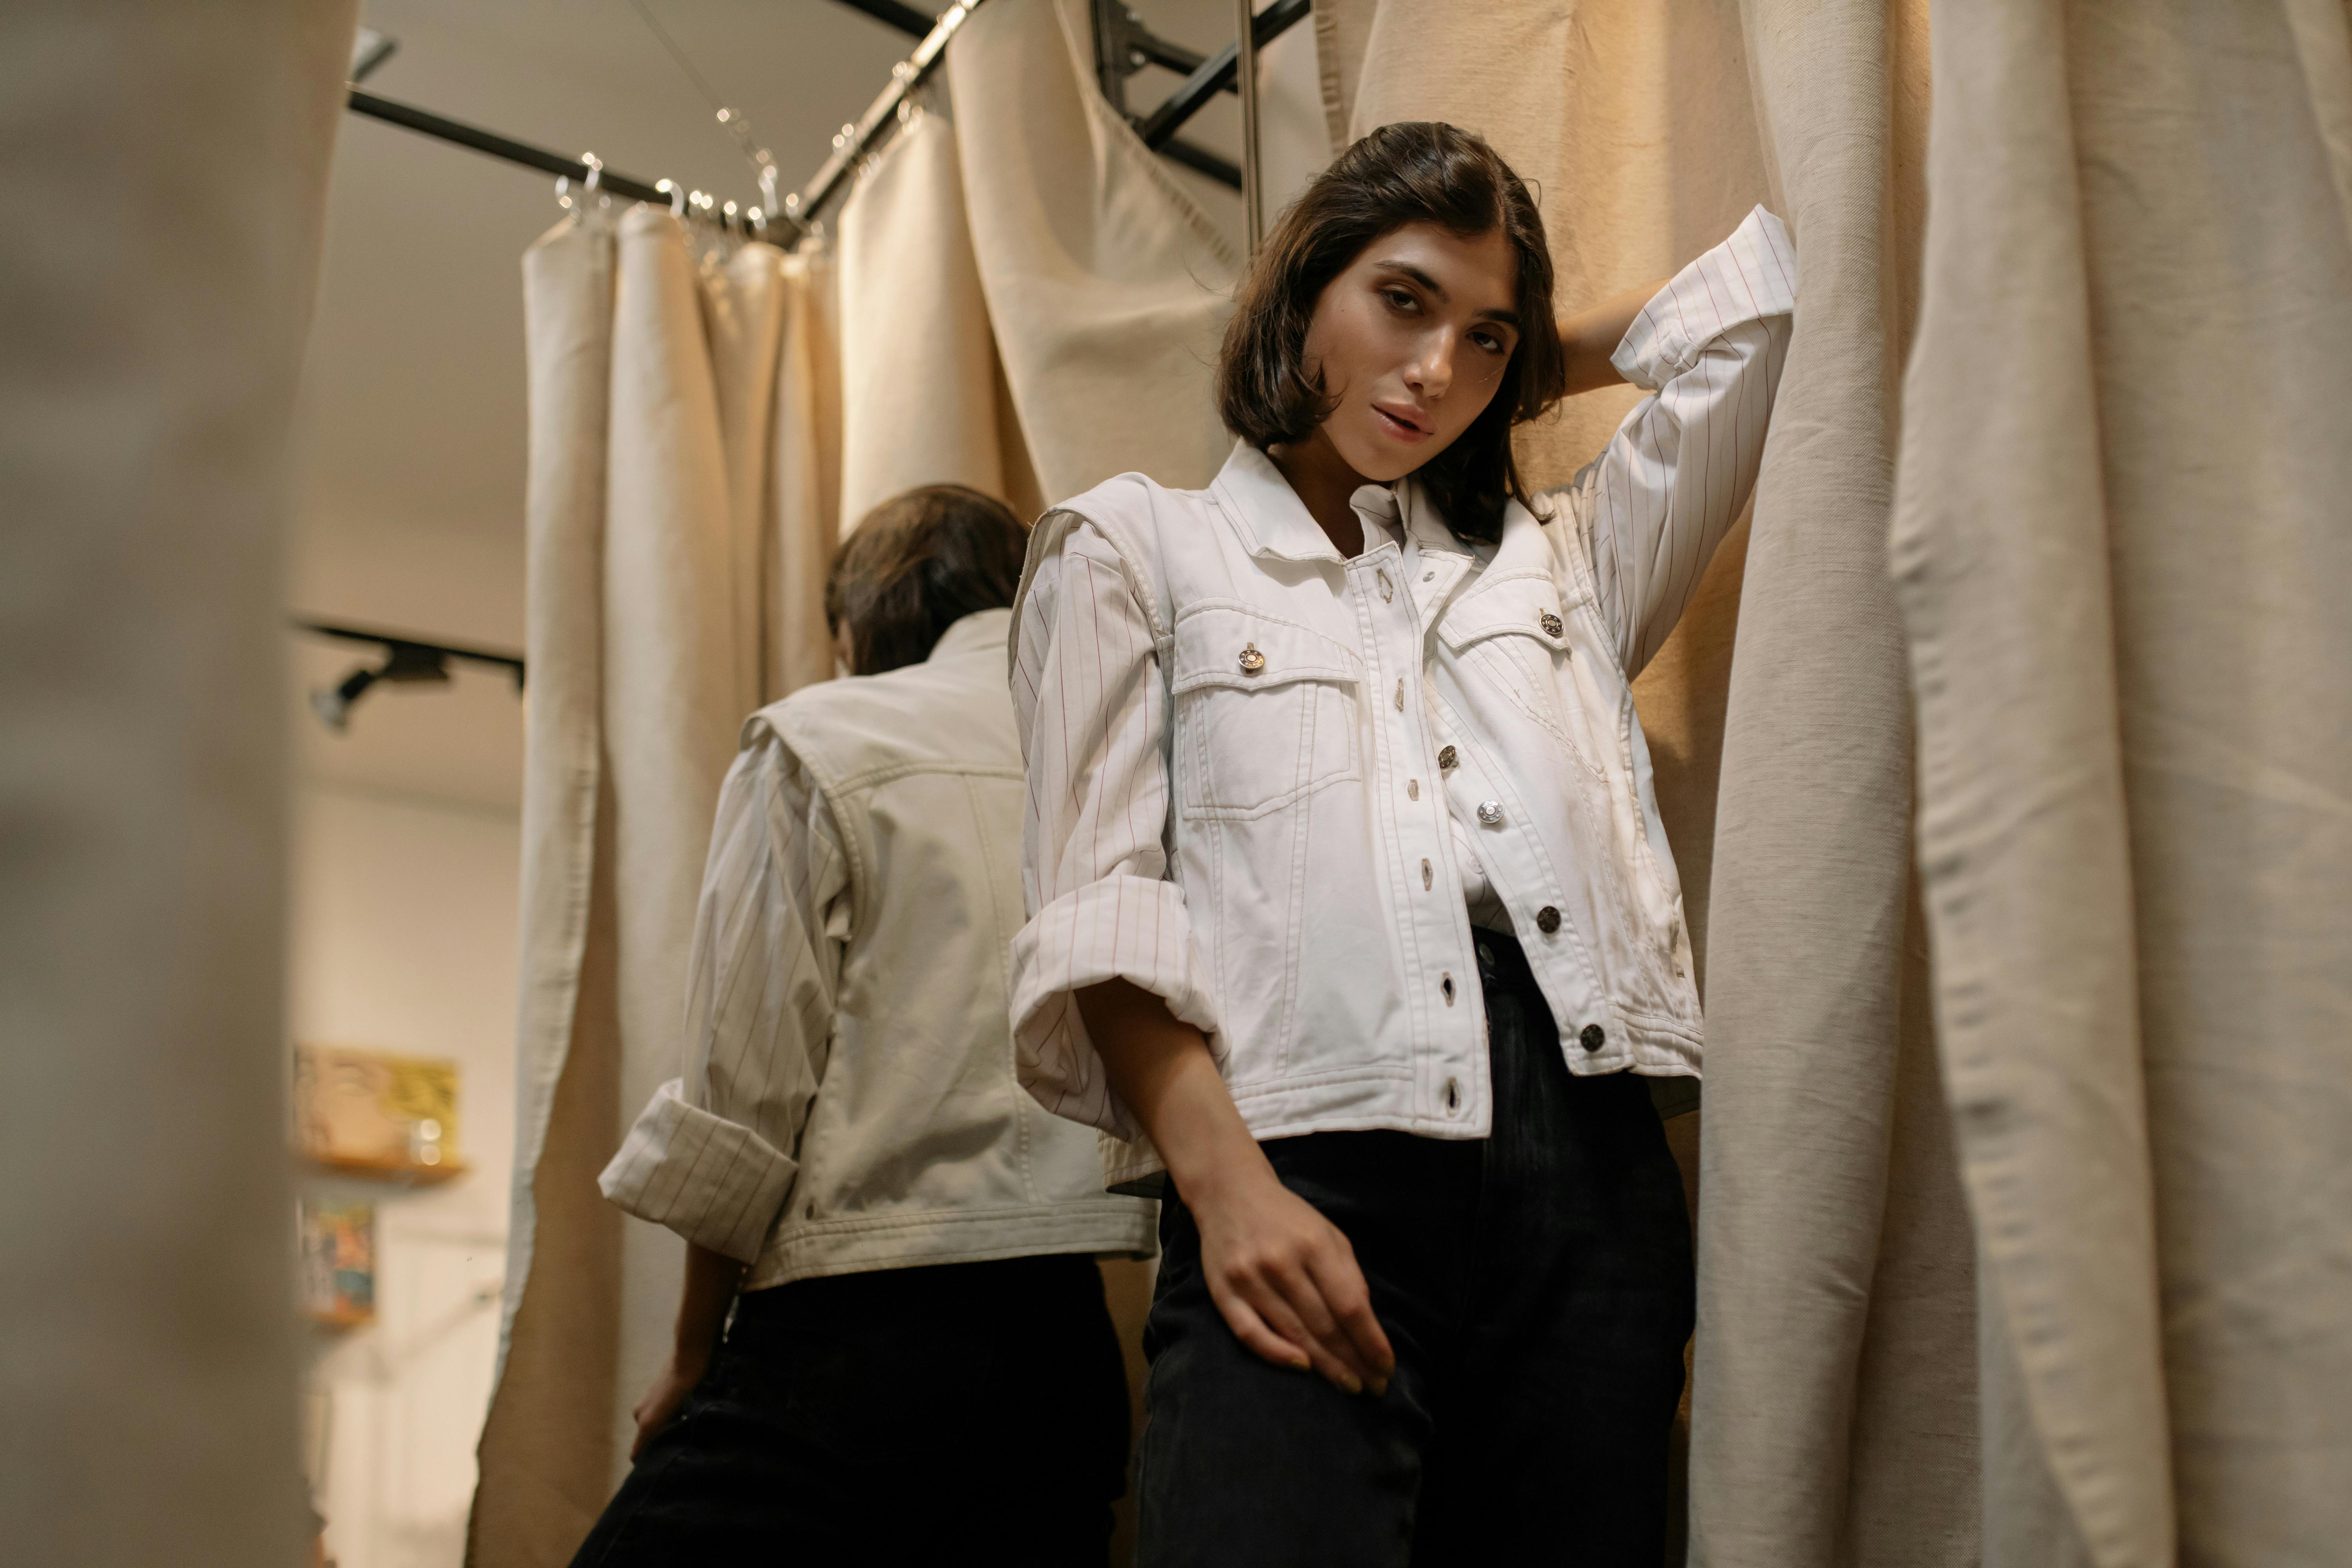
[(683, 498), (1107, 285), (1832, 1413), (919, 377), (2122, 545), (166, 174)]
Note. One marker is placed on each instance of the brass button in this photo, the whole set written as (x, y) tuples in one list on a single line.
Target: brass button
[(1490, 812), (1550, 624), (1252, 661), (1447, 762), (1547, 920), (1593, 1038)]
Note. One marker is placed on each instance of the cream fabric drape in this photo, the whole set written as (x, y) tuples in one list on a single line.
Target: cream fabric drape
[(920, 376), (167, 175), (1107, 285), (683, 498), (1832, 1417), (2123, 556)]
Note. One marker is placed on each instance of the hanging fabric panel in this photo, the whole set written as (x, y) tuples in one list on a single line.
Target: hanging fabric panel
[(683, 503), (805, 474), (167, 175), (1107, 285), (2123, 558), (916, 351)]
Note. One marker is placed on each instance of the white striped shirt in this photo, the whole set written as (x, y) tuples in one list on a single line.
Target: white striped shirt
[(1256, 847)]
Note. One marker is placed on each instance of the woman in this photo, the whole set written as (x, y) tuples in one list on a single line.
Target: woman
[(919, 1357), (1353, 917)]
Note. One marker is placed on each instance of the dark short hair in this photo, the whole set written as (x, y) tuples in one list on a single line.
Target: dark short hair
[(917, 564), (1414, 172)]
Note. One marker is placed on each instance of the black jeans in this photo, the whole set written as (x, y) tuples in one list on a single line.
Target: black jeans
[(965, 1413), (1537, 1287)]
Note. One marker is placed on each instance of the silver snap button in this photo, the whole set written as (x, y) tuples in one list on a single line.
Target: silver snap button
[(1252, 661), (1550, 624), (1490, 812)]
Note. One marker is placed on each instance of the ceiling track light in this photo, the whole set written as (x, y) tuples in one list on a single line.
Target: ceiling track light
[(407, 661)]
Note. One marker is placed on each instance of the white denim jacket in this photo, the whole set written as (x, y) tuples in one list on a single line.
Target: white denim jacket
[(847, 1101), (1246, 754)]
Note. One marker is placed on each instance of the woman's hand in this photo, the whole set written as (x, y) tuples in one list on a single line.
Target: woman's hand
[(711, 1278), (1285, 1279), (662, 1401)]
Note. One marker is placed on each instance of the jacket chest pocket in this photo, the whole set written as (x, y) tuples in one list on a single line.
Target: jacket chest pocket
[(1264, 710), (1513, 638)]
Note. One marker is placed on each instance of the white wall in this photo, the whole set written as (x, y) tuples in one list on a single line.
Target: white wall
[(402, 938)]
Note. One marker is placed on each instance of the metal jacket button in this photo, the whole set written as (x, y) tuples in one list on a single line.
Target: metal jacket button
[(1593, 1038), (1547, 920), (1447, 762), (1252, 661), (1550, 624), (1490, 812)]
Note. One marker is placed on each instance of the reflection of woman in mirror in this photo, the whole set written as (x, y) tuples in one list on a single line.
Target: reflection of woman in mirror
[(1352, 914), (919, 1354)]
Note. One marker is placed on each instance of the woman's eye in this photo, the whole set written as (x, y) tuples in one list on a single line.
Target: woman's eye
[(1399, 300), (1489, 342)]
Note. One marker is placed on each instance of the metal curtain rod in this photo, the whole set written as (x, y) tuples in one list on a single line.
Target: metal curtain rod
[(539, 158)]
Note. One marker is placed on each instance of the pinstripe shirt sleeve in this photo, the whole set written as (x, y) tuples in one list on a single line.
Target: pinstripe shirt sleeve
[(713, 1156), (1093, 711), (1651, 509)]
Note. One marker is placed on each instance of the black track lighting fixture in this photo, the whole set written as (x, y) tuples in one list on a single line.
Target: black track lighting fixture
[(406, 661)]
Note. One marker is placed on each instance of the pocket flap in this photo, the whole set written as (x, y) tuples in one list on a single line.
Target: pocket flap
[(1228, 644), (1528, 606)]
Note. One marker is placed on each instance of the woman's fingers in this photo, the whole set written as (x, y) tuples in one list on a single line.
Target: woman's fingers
[(1256, 1337), (1340, 1281), (1265, 1292), (1301, 1284)]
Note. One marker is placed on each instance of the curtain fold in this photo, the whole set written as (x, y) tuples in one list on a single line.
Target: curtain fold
[(166, 172), (2120, 546), (916, 350), (1107, 288)]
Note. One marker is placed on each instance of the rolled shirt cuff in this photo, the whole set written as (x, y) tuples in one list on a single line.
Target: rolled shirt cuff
[(1750, 277), (715, 1182), (1120, 928)]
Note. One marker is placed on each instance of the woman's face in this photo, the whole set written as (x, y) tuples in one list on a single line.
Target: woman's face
[(1412, 340)]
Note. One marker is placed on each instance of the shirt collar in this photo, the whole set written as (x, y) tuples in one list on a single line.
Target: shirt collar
[(1273, 522), (981, 629)]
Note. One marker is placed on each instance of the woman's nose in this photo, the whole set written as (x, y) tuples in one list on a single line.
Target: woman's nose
[(1431, 372)]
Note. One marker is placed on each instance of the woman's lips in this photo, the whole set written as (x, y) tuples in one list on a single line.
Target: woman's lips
[(1403, 430)]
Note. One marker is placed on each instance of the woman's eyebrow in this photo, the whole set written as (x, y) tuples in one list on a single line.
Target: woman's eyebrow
[(1407, 270)]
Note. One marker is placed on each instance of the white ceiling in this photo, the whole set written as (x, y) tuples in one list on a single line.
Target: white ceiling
[(410, 483)]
